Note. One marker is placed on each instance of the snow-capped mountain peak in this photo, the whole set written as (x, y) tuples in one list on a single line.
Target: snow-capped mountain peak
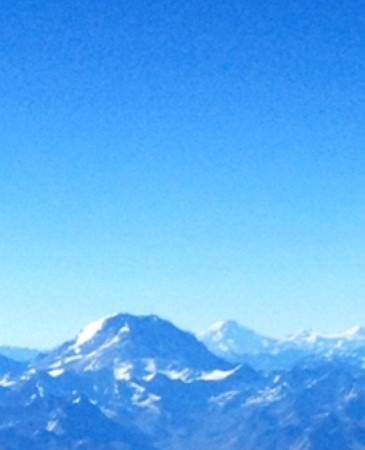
[(139, 382), (353, 336), (237, 344), (126, 343), (89, 331), (356, 332), (229, 339), (303, 336)]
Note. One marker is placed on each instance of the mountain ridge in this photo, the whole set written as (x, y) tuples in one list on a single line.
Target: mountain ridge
[(141, 383), (236, 343)]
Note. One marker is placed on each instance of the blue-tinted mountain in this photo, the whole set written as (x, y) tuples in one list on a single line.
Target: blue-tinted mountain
[(36, 413), (21, 354), (140, 383), (237, 344), (125, 343), (230, 340)]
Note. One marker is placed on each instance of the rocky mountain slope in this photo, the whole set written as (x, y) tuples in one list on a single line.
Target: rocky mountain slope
[(128, 382)]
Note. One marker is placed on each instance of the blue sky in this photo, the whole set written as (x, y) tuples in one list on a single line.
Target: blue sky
[(197, 160)]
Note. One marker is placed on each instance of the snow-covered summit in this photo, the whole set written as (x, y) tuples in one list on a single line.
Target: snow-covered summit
[(346, 341), (229, 339), (357, 332), (354, 333), (124, 342), (235, 343)]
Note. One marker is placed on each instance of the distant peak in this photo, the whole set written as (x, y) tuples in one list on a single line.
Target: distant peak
[(303, 336), (310, 337), (217, 326), (219, 329), (93, 328), (223, 325), (114, 325), (89, 331), (355, 332)]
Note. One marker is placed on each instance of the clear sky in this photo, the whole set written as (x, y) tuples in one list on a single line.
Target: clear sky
[(196, 160)]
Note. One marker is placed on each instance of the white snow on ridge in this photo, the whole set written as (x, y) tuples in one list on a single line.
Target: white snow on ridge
[(56, 364), (123, 372), (268, 395), (355, 333), (125, 329), (305, 336), (149, 402), (89, 331), (217, 326), (6, 382), (69, 359), (217, 375), (56, 372), (215, 331), (150, 369), (225, 397), (182, 375), (51, 426), (230, 340)]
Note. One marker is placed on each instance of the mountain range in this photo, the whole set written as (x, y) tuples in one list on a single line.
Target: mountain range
[(237, 344), (139, 382)]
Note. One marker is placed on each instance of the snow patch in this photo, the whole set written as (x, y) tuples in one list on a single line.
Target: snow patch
[(150, 369), (69, 359), (51, 425), (266, 396), (149, 402), (89, 332), (125, 329), (224, 398), (182, 375), (55, 365), (5, 382), (217, 375), (123, 372), (56, 372), (356, 333), (352, 395), (40, 390), (217, 326)]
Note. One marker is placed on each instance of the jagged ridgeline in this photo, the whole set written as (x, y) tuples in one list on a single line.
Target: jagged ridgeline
[(139, 382)]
